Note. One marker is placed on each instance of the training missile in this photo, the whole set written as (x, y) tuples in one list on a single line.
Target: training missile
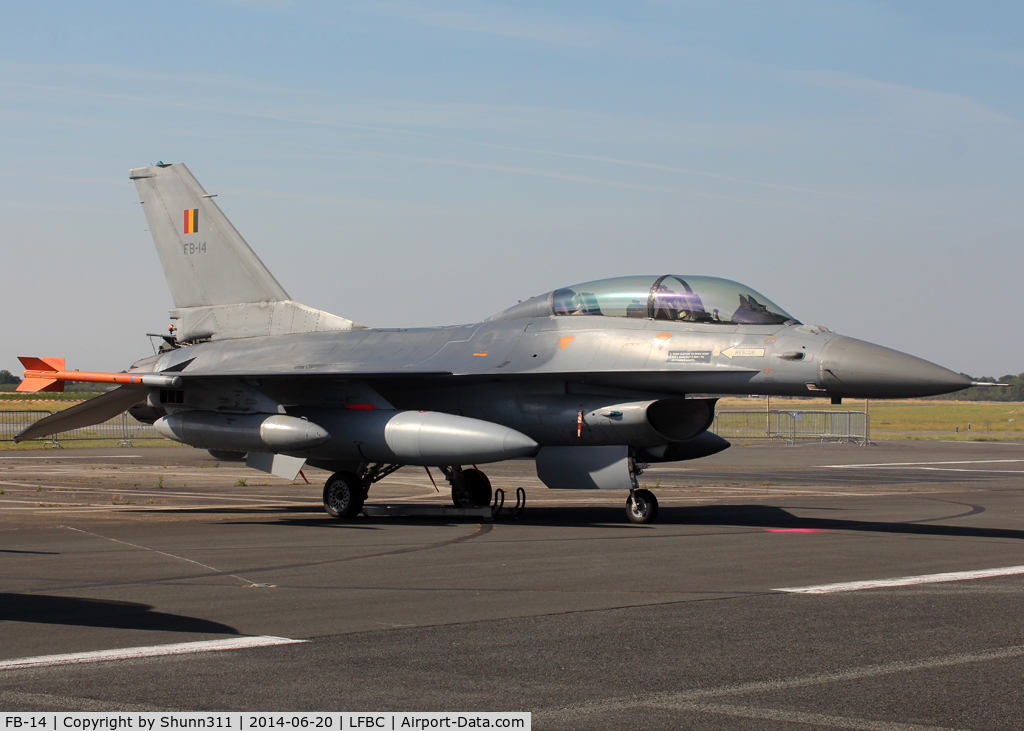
[(48, 374), (242, 432)]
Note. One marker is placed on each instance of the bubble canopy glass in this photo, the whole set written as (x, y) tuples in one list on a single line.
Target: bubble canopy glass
[(668, 297)]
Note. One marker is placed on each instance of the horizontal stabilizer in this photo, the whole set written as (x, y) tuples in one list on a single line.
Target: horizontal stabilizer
[(94, 411)]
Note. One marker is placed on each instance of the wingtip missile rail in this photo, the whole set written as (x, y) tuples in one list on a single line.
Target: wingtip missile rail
[(49, 374)]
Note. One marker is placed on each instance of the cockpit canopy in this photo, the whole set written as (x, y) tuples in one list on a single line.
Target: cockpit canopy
[(668, 297)]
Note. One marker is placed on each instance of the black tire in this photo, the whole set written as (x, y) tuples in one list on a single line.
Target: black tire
[(225, 455), (474, 492), (645, 509), (343, 495)]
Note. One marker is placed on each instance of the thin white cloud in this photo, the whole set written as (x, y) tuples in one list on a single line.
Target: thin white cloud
[(33, 206), (1013, 58), (375, 204), (885, 202), (602, 181), (59, 178), (703, 174), (200, 107), (402, 117), (253, 3), (937, 106), (67, 72), (486, 19)]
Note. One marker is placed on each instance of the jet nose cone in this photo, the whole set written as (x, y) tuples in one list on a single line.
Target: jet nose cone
[(855, 368)]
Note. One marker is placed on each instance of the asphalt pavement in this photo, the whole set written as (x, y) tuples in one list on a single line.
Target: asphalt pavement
[(567, 611)]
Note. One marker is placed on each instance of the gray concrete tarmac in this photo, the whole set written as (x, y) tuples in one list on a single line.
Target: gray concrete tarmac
[(569, 612)]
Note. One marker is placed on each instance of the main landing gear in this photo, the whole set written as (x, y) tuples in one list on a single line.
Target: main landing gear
[(345, 492), (344, 495), (641, 505), (470, 488)]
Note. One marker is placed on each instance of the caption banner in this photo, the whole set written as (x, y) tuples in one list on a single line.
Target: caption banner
[(143, 721)]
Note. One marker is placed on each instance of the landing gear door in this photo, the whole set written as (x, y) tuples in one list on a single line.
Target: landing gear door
[(584, 468)]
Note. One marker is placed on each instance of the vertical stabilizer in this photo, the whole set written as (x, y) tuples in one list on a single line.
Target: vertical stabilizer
[(220, 287), (206, 261)]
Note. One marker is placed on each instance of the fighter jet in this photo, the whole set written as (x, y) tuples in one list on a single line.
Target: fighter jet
[(594, 381)]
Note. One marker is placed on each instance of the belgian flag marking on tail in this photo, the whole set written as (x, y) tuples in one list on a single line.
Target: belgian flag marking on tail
[(192, 220)]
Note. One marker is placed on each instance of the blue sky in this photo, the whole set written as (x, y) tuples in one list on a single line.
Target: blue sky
[(414, 163)]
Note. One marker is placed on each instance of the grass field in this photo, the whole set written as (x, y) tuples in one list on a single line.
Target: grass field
[(7, 393), (914, 419), (38, 404)]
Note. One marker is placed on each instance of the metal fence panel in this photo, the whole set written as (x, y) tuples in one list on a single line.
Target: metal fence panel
[(123, 428), (12, 422), (825, 426)]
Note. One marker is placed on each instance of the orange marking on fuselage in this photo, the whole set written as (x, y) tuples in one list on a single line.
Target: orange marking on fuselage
[(565, 340)]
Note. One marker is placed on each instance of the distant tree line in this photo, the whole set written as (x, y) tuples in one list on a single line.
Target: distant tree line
[(8, 382), (8, 379), (1013, 392)]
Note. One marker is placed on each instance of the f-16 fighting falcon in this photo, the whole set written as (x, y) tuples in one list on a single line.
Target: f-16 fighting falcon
[(593, 381)]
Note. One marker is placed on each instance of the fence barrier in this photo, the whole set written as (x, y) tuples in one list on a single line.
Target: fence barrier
[(124, 428), (825, 426)]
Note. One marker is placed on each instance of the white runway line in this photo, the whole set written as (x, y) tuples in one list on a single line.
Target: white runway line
[(130, 653), (918, 464), (87, 456), (904, 581), (684, 698)]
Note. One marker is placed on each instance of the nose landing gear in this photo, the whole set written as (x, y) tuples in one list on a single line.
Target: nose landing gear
[(641, 505)]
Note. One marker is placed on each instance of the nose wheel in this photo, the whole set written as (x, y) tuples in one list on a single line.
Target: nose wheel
[(641, 506)]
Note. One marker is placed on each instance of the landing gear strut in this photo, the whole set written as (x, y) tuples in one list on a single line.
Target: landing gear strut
[(345, 492), (470, 488), (641, 505)]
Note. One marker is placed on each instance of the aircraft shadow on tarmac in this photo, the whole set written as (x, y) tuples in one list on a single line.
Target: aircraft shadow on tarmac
[(747, 516), (767, 516), (268, 509), (80, 612)]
